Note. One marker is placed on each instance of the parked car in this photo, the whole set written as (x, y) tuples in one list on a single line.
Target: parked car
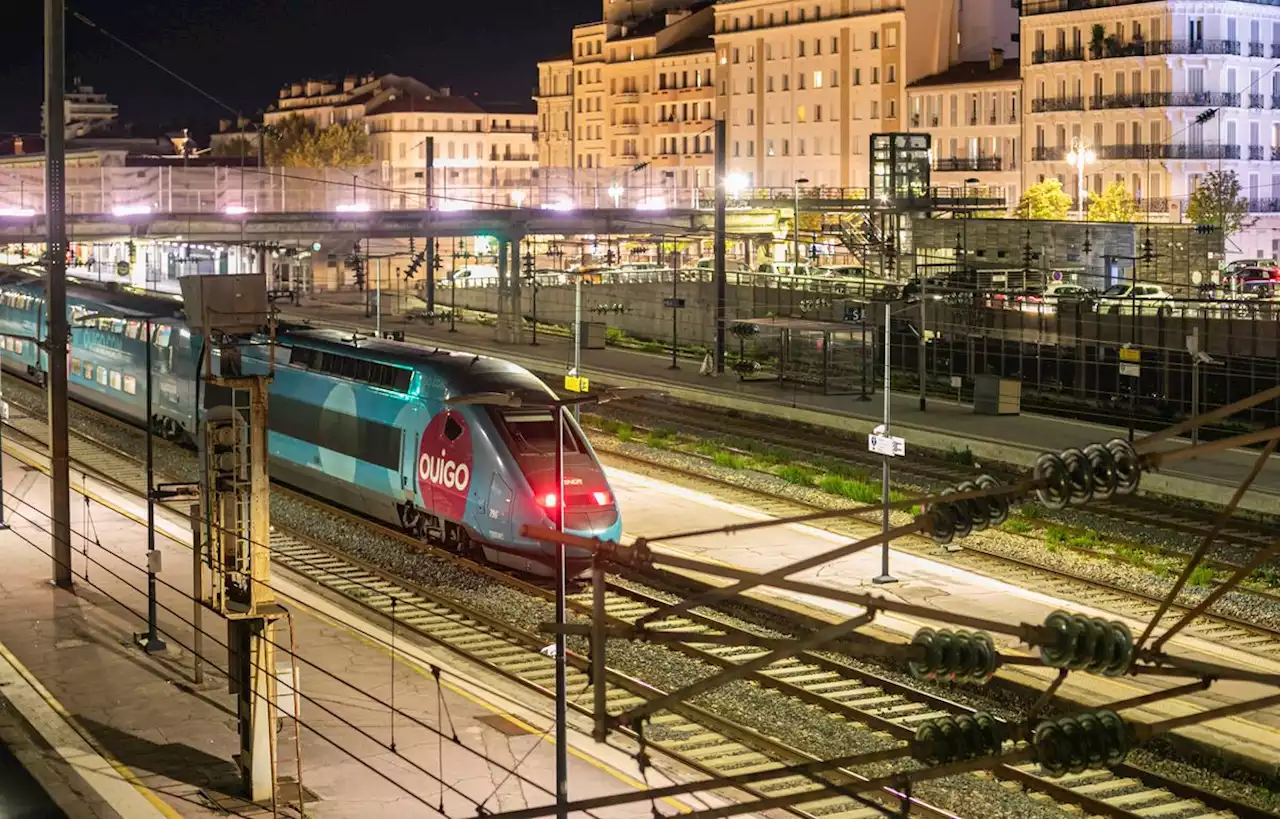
[(1147, 299), (784, 269), (1046, 299), (730, 265)]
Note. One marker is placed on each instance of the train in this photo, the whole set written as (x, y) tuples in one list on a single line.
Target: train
[(357, 421)]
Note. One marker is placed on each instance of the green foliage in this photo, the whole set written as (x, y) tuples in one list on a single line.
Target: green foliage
[(624, 432), (856, 490), (236, 146), (1016, 526), (295, 142), (1056, 536), (1114, 204), (963, 456), (1046, 200), (729, 460), (797, 475), (1217, 202), (612, 335), (1201, 576)]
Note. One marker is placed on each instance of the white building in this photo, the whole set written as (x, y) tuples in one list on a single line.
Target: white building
[(973, 112), (1129, 80), (804, 85)]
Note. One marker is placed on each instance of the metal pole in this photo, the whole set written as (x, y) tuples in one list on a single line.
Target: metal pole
[(720, 239), (4, 418), (1133, 342), (562, 697), (453, 290), (795, 231), (577, 331), (1195, 397), (431, 242), (56, 341), (921, 345), (377, 297), (675, 312), (151, 642), (884, 576)]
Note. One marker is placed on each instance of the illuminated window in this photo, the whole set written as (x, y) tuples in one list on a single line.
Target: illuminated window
[(88, 370), (102, 376), (115, 380), (800, 114), (77, 366), (817, 79), (131, 385)]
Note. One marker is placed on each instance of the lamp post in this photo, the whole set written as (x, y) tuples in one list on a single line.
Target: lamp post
[(615, 192), (1078, 157), (884, 577), (795, 232)]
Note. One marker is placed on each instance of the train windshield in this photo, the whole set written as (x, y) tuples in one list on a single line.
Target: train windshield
[(534, 433)]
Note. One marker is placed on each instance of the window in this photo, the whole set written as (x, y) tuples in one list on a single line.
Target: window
[(800, 82), (77, 366), (875, 39), (817, 79), (891, 38), (799, 48), (875, 109), (817, 113), (116, 381), (835, 45), (875, 75), (786, 82), (103, 376), (800, 114), (893, 74), (88, 370), (857, 76)]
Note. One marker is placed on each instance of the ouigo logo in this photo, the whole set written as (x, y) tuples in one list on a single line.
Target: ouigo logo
[(444, 465)]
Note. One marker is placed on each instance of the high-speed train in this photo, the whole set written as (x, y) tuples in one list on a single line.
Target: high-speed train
[(357, 421)]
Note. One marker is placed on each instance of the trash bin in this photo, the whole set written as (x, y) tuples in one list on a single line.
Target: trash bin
[(993, 395), (592, 335)]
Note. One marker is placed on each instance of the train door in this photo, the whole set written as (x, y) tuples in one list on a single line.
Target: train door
[(498, 519)]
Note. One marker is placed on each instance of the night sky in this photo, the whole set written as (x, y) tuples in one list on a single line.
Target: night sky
[(242, 51)]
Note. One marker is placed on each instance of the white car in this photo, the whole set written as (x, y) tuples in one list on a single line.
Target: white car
[(1046, 299), (1123, 299)]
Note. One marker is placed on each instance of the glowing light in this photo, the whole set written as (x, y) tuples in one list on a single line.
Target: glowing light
[(453, 205), (131, 210), (235, 210), (559, 204), (353, 207), (549, 500), (17, 212), (601, 498), (735, 184), (517, 198), (653, 203)]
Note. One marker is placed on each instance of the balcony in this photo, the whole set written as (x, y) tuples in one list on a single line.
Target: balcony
[(1275, 154), (626, 128), (1048, 153), (1270, 205), (1256, 101), (1255, 152), (1256, 49), (1275, 100), (1048, 104), (1034, 7), (626, 97), (1275, 50), (1057, 55), (970, 163), (1156, 48), (1166, 99), (1162, 151)]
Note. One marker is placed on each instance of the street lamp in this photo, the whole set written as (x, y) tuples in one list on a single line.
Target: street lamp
[(615, 191), (735, 184), (1078, 157), (517, 198), (795, 234)]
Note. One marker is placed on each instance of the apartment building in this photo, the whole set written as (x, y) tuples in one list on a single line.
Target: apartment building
[(483, 155), (973, 111), (804, 85), (1135, 82), (555, 112)]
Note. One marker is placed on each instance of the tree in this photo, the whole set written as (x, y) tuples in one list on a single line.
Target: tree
[(1217, 202), (236, 146), (343, 145), (1114, 204), (286, 138), (1046, 200)]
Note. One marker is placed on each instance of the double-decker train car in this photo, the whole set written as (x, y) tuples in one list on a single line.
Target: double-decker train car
[(360, 422)]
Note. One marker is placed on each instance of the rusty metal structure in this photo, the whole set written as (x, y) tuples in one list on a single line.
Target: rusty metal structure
[(966, 653)]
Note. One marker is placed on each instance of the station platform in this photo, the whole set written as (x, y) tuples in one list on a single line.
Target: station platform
[(944, 425), (653, 508), (131, 734)]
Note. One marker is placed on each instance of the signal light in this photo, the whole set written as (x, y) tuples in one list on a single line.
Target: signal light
[(601, 498), (549, 500)]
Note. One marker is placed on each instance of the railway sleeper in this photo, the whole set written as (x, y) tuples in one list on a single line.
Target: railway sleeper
[(1138, 798), (711, 752), (807, 680)]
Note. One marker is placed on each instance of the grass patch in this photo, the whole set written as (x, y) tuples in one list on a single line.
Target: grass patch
[(850, 488), (624, 432), (609, 426), (706, 449), (1030, 511), (660, 439), (1201, 576), (963, 457), (797, 475), (729, 460), (1088, 540), (1056, 536), (1016, 526)]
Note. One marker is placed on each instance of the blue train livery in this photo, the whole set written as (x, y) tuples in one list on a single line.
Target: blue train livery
[(360, 422)]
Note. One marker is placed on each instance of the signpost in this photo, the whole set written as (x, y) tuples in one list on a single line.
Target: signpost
[(891, 446), (577, 383)]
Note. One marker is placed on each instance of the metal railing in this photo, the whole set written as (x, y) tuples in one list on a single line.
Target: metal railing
[(1054, 6), (1057, 55), (1256, 152), (1047, 104), (970, 163), (1166, 151), (1048, 153), (1256, 49), (1167, 99)]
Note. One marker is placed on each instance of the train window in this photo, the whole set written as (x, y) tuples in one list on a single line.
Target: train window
[(117, 325), (162, 335), (88, 370), (103, 374), (131, 385), (77, 366), (131, 329), (116, 381), (303, 357), (452, 429), (534, 433)]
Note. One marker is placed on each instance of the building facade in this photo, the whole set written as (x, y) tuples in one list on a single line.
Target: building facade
[(973, 112), (1162, 94)]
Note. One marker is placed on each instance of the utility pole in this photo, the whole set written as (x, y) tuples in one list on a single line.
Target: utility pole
[(151, 642), (884, 577), (721, 131), (431, 240), (56, 340)]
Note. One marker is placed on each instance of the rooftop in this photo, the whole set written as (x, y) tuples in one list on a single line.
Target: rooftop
[(975, 71)]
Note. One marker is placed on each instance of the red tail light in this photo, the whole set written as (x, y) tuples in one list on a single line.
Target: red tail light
[(549, 500), (601, 498)]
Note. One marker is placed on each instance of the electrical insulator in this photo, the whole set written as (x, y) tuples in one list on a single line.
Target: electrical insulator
[(1097, 472), (1087, 643), (952, 519), (961, 656), (1074, 744), (947, 739)]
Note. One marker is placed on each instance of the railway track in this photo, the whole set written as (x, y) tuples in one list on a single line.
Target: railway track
[(1180, 520), (693, 737), (1218, 628)]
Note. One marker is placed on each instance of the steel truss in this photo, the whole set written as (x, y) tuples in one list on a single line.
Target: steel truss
[(950, 745)]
